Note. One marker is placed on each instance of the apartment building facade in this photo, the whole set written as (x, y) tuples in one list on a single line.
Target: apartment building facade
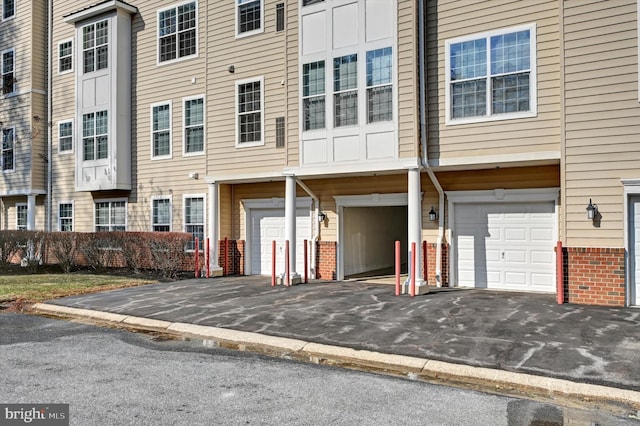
[(483, 128)]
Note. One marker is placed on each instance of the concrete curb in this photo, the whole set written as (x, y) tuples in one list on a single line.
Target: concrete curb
[(479, 378)]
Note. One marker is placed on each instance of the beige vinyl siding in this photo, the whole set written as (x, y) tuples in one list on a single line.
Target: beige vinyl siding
[(37, 138), (39, 46), (450, 19), (8, 215), (292, 145), (408, 86), (602, 116)]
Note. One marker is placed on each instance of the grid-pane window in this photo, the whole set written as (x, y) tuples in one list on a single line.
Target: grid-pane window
[(177, 32), (21, 217), (280, 17), (249, 15), (161, 215), (65, 136), (194, 125), (379, 85), (161, 129), (345, 88), (65, 56), (95, 46), (111, 216), (65, 217), (491, 75), (194, 220), (8, 72), (8, 152), (8, 8), (249, 112), (95, 141), (313, 95)]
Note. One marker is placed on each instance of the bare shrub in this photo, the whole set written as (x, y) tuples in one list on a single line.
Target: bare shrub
[(101, 250), (168, 252), (63, 247)]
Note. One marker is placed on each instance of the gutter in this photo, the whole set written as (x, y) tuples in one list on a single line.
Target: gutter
[(316, 234), (423, 139), (49, 208)]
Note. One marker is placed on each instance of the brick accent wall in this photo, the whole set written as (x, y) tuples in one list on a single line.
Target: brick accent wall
[(235, 257), (326, 260), (431, 264), (594, 276)]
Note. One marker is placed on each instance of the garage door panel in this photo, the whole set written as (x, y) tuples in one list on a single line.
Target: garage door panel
[(515, 234), (516, 256), (516, 279)]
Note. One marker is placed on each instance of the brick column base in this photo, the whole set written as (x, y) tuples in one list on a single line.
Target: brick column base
[(235, 258), (326, 260), (595, 276)]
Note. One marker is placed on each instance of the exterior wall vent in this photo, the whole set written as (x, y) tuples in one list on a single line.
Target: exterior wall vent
[(279, 132)]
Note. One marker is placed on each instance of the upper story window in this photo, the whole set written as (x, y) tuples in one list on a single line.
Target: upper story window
[(161, 215), (21, 216), (313, 95), (379, 85), (177, 32), (8, 151), (95, 139), (161, 130), (8, 9), (65, 56), (65, 217), (8, 72), (345, 88), (95, 46), (249, 108), (249, 16), (65, 136), (111, 216), (194, 125), (491, 76)]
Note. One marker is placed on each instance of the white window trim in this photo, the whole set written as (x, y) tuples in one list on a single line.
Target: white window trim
[(184, 126), (184, 215), (15, 11), (72, 56), (14, 149), (533, 81), (170, 155), (162, 197), (73, 214), (81, 49), (111, 200), (22, 205), (250, 33), (177, 59), (262, 138), (73, 132), (15, 88)]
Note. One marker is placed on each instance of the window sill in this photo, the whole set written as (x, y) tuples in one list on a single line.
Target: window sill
[(483, 119)]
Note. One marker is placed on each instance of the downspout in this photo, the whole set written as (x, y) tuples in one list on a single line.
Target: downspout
[(49, 208), (316, 234), (423, 140)]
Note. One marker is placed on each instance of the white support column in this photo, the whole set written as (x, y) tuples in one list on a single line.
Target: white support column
[(31, 212), (415, 227), (214, 269), (290, 226)]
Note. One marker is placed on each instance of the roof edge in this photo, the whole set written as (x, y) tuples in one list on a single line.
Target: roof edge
[(99, 9)]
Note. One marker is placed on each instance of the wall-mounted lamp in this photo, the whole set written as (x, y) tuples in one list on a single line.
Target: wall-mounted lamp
[(231, 69), (322, 217), (193, 175), (592, 210), (433, 215)]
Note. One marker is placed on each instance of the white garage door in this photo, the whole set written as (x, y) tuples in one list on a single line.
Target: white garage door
[(268, 225), (506, 246), (634, 217)]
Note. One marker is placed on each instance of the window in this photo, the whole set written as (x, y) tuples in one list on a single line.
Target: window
[(379, 85), (194, 220), (21, 217), (248, 16), (8, 72), (65, 136), (492, 75), (65, 56), (194, 125), (249, 109), (95, 142), (313, 103), (280, 17), (8, 153), (308, 2), (345, 87), (95, 49), (280, 132), (111, 216), (161, 216), (8, 9), (177, 32), (161, 130), (65, 217)]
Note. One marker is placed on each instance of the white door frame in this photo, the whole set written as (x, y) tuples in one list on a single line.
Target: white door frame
[(266, 203), (631, 188), (493, 196)]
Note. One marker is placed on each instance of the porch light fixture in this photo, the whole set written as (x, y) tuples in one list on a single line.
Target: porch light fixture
[(433, 215), (592, 210), (321, 217)]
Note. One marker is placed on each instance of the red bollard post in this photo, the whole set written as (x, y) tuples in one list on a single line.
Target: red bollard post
[(286, 263), (559, 273), (306, 263), (413, 269), (397, 250), (207, 258), (273, 263), (197, 256), (226, 255), (424, 261)]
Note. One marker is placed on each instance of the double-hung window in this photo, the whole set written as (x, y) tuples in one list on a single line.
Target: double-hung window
[(194, 125), (161, 215), (491, 76), (248, 16), (21, 217), (177, 32), (8, 149), (8, 9), (345, 89), (111, 216), (379, 85), (65, 136), (194, 220), (65, 217), (95, 46), (65, 56), (8, 71), (249, 108), (95, 139), (161, 130), (313, 95)]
